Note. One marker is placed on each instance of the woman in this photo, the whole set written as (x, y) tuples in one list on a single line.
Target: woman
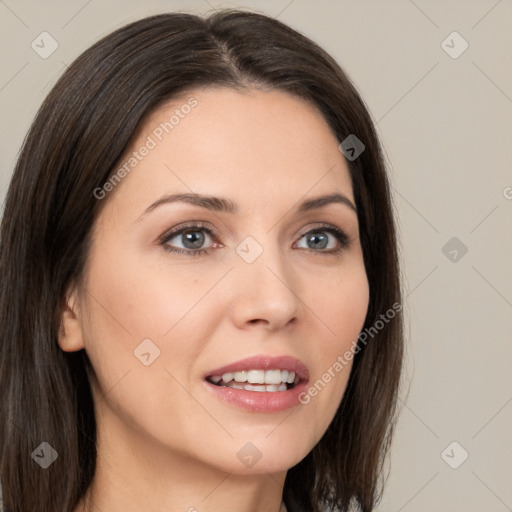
[(201, 304)]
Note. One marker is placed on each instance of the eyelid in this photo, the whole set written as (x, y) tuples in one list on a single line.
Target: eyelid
[(324, 226), (190, 225)]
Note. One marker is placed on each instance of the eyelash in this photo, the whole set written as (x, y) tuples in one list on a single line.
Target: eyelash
[(340, 235)]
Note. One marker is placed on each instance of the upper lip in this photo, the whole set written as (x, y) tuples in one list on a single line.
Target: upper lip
[(262, 362)]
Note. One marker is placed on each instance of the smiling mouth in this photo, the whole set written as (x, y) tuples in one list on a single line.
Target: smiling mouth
[(257, 380)]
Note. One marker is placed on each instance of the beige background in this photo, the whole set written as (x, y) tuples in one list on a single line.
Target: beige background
[(446, 125)]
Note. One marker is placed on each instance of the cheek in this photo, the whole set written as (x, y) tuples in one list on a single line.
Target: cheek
[(129, 304), (144, 300), (341, 306), (132, 301), (343, 301)]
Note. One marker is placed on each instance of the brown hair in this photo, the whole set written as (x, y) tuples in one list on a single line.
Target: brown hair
[(79, 134)]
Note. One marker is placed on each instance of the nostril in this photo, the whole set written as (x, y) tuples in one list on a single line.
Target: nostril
[(258, 320)]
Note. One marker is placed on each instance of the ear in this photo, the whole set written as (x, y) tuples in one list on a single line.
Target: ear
[(71, 336)]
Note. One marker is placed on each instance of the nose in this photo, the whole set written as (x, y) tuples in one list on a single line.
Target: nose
[(265, 292)]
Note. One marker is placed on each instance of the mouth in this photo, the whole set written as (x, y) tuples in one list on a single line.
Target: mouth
[(257, 380), (260, 384), (261, 373)]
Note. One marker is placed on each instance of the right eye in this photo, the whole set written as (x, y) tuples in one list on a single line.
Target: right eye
[(192, 238)]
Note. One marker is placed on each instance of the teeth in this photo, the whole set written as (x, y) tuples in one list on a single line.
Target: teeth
[(255, 387), (273, 377), (261, 376), (267, 380), (248, 387), (273, 387), (256, 376), (241, 376)]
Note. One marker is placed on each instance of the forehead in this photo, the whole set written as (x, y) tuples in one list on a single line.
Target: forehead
[(265, 144)]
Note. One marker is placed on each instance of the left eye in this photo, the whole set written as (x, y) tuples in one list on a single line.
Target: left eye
[(192, 239), (319, 239)]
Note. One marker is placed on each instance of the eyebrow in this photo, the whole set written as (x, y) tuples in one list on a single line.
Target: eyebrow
[(219, 204)]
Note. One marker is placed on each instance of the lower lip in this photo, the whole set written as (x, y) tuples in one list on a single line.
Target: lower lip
[(259, 401)]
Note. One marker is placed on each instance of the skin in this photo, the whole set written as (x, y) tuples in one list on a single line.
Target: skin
[(164, 441)]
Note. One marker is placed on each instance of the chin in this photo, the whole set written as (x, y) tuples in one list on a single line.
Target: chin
[(262, 455)]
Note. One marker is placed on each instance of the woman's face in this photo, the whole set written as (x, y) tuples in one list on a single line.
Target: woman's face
[(163, 311)]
